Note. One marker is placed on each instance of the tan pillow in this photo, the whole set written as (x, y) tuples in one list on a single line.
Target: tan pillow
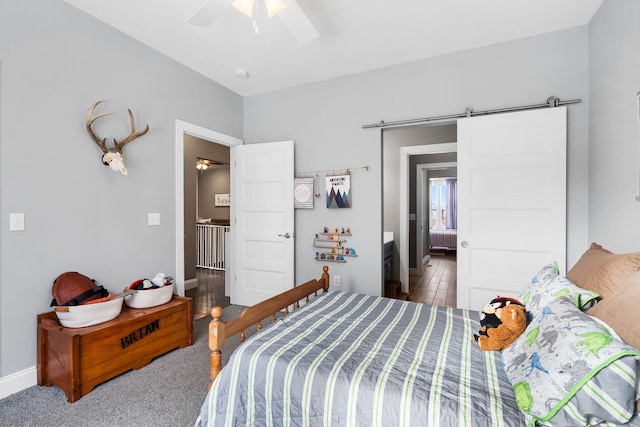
[(602, 271), (620, 310)]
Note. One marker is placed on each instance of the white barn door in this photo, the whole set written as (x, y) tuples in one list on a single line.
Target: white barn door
[(263, 221), (511, 201)]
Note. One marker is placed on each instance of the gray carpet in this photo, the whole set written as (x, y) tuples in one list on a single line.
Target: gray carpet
[(167, 392)]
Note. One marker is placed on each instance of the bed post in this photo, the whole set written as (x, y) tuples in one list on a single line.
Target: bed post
[(216, 341), (219, 330), (325, 278)]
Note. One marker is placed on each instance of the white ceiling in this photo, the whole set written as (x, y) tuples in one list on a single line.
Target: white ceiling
[(355, 35)]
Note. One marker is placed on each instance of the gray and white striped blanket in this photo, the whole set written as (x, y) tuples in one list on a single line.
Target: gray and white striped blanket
[(349, 359)]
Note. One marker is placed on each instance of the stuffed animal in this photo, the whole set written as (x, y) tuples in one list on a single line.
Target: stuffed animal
[(501, 322)]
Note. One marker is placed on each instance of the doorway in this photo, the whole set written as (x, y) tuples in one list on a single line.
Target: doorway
[(433, 281), (183, 130), (436, 211), (399, 217)]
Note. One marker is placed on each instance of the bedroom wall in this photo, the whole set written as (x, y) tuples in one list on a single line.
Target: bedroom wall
[(55, 61), (614, 137), (325, 119)]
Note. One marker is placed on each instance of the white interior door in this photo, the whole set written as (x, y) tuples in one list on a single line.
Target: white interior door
[(263, 221), (511, 201)]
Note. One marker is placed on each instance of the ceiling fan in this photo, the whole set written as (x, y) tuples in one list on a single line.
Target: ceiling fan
[(288, 11)]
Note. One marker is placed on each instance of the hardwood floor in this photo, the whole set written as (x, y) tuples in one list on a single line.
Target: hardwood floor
[(437, 283), (209, 293)]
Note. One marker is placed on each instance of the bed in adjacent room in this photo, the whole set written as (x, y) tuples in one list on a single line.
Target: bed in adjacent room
[(347, 359), (443, 239)]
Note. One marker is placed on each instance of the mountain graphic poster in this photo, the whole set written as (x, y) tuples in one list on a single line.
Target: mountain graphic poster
[(338, 191)]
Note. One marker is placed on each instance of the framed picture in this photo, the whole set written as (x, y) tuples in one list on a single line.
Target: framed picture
[(338, 189), (222, 200), (303, 193)]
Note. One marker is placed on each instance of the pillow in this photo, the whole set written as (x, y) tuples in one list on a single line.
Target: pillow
[(602, 271), (620, 310), (567, 366), (547, 285)]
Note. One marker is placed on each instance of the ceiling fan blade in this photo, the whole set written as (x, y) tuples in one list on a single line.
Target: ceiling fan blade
[(298, 23), (206, 14)]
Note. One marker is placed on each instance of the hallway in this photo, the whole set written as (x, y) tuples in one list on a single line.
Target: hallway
[(209, 293), (437, 284)]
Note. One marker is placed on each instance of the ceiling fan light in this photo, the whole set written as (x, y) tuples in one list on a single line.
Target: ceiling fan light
[(203, 164), (274, 7), (244, 6)]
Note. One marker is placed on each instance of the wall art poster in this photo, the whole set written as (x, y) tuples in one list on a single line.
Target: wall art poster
[(222, 200), (338, 191), (303, 193)]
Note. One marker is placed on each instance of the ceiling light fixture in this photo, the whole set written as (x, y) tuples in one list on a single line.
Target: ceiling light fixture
[(202, 165), (289, 12), (253, 8)]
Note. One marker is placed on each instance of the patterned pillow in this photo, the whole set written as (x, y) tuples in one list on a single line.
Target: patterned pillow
[(547, 284), (569, 369)]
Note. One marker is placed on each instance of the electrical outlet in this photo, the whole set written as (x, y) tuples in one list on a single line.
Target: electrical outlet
[(336, 281)]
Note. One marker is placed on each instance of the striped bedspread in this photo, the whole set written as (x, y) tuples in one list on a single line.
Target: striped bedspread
[(348, 359)]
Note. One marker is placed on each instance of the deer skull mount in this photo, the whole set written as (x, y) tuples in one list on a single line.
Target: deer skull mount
[(112, 157)]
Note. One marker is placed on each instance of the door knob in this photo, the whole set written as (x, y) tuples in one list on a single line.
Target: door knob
[(464, 244), (285, 235)]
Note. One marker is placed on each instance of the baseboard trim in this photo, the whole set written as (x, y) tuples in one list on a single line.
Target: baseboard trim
[(18, 381), (190, 284)]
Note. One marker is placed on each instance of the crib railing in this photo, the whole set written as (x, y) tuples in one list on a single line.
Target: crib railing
[(210, 241)]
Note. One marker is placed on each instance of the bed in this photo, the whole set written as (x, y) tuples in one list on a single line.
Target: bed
[(443, 239), (346, 359)]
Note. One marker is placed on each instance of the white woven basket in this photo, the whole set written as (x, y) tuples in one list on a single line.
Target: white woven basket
[(79, 316), (146, 298)]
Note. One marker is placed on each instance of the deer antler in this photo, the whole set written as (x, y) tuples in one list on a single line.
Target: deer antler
[(102, 143), (133, 135), (112, 157)]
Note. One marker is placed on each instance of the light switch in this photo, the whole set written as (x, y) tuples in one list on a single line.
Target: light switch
[(16, 222), (154, 219)]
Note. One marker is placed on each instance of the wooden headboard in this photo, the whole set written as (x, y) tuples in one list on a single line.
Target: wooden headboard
[(219, 331)]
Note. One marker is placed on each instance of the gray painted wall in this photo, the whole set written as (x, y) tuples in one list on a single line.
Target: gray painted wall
[(213, 181), (325, 119), (614, 137), (55, 61)]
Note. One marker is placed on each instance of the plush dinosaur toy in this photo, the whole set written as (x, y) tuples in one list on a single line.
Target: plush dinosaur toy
[(501, 322)]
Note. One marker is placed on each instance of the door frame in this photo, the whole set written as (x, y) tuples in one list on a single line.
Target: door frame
[(405, 154), (185, 128), (422, 174)]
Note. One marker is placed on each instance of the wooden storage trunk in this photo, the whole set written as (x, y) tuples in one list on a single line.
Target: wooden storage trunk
[(78, 359)]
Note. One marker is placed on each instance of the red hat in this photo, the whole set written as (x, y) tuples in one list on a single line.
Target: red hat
[(73, 288)]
